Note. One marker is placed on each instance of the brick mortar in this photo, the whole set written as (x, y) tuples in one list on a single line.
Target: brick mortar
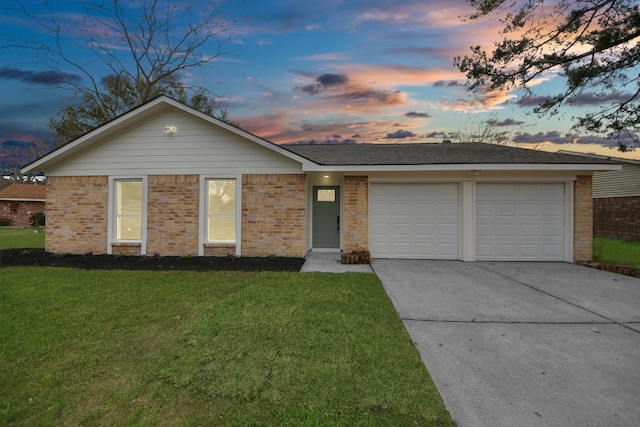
[(77, 210), (173, 214), (583, 219), (617, 217), (274, 215), (356, 213)]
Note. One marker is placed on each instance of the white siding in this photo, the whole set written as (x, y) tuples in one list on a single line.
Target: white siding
[(622, 183), (197, 147)]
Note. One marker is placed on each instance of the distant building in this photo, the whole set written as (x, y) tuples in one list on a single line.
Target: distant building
[(19, 201), (616, 200)]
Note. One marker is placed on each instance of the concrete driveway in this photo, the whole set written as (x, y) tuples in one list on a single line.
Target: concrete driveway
[(523, 344)]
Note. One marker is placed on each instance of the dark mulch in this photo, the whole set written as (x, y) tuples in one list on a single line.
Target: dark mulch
[(40, 258)]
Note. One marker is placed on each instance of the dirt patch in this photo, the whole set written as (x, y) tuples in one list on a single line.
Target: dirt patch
[(40, 258)]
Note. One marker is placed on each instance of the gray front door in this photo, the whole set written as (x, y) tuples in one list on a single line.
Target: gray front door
[(326, 217)]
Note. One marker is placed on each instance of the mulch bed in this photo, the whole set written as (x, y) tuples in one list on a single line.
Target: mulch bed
[(38, 257)]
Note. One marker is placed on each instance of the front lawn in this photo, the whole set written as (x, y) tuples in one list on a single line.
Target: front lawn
[(21, 238), (614, 251), (89, 347)]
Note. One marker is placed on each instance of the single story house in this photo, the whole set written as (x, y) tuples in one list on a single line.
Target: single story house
[(19, 201), (167, 179)]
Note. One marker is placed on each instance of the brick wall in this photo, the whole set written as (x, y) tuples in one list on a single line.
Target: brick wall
[(274, 215), (211, 249), (356, 213), (173, 214), (583, 220), (25, 210), (617, 217), (77, 214)]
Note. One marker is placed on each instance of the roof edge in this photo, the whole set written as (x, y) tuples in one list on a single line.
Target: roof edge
[(592, 167)]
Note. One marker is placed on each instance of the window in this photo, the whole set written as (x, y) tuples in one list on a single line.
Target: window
[(327, 195), (13, 207), (221, 210), (128, 208)]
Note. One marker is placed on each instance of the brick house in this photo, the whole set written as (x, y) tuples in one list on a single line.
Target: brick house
[(165, 178), (19, 201), (616, 200)]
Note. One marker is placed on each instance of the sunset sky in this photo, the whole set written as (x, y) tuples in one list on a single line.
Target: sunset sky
[(335, 71)]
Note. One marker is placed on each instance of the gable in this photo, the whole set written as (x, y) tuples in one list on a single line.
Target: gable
[(197, 147)]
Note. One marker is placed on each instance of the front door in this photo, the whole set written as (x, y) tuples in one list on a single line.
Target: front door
[(326, 217)]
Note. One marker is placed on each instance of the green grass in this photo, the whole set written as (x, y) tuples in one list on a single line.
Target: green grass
[(21, 238), (613, 251), (221, 348)]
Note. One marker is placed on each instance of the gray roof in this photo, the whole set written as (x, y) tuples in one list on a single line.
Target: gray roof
[(432, 154)]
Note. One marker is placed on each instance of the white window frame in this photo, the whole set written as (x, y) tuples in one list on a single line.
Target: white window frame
[(204, 214), (113, 217)]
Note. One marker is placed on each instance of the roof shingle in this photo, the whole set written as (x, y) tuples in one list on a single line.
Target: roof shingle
[(431, 154), (24, 192)]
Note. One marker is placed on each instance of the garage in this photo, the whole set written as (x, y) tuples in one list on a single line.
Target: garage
[(520, 222), (414, 220)]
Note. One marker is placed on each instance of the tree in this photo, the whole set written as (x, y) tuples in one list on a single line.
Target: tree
[(142, 46), (488, 131), (119, 96), (593, 44)]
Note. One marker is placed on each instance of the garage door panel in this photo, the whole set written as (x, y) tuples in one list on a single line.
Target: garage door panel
[(529, 210), (553, 250), (520, 222), (414, 221), (503, 231), (506, 250), (447, 208), (530, 230), (506, 211)]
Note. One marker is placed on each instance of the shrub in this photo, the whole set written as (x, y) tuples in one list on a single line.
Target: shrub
[(5, 221), (359, 256), (37, 219)]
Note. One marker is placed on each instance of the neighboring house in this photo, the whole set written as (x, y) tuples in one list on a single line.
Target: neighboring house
[(616, 200), (167, 179), (19, 201)]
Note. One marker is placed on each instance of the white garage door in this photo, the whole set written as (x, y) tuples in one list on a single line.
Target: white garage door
[(520, 222), (414, 221)]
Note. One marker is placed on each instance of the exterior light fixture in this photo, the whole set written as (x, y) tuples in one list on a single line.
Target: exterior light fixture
[(326, 176), (170, 130)]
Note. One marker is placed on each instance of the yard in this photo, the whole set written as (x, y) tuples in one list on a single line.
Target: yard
[(613, 251), (89, 347)]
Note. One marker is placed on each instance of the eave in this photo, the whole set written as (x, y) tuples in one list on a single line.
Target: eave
[(313, 167)]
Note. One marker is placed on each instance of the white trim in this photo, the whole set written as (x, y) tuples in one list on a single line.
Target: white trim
[(8, 199), (203, 219), (111, 217), (568, 220), (467, 226)]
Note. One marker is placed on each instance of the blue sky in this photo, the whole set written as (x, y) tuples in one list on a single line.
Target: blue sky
[(334, 71)]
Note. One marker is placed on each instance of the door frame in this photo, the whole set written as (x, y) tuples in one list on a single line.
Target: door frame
[(338, 201)]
